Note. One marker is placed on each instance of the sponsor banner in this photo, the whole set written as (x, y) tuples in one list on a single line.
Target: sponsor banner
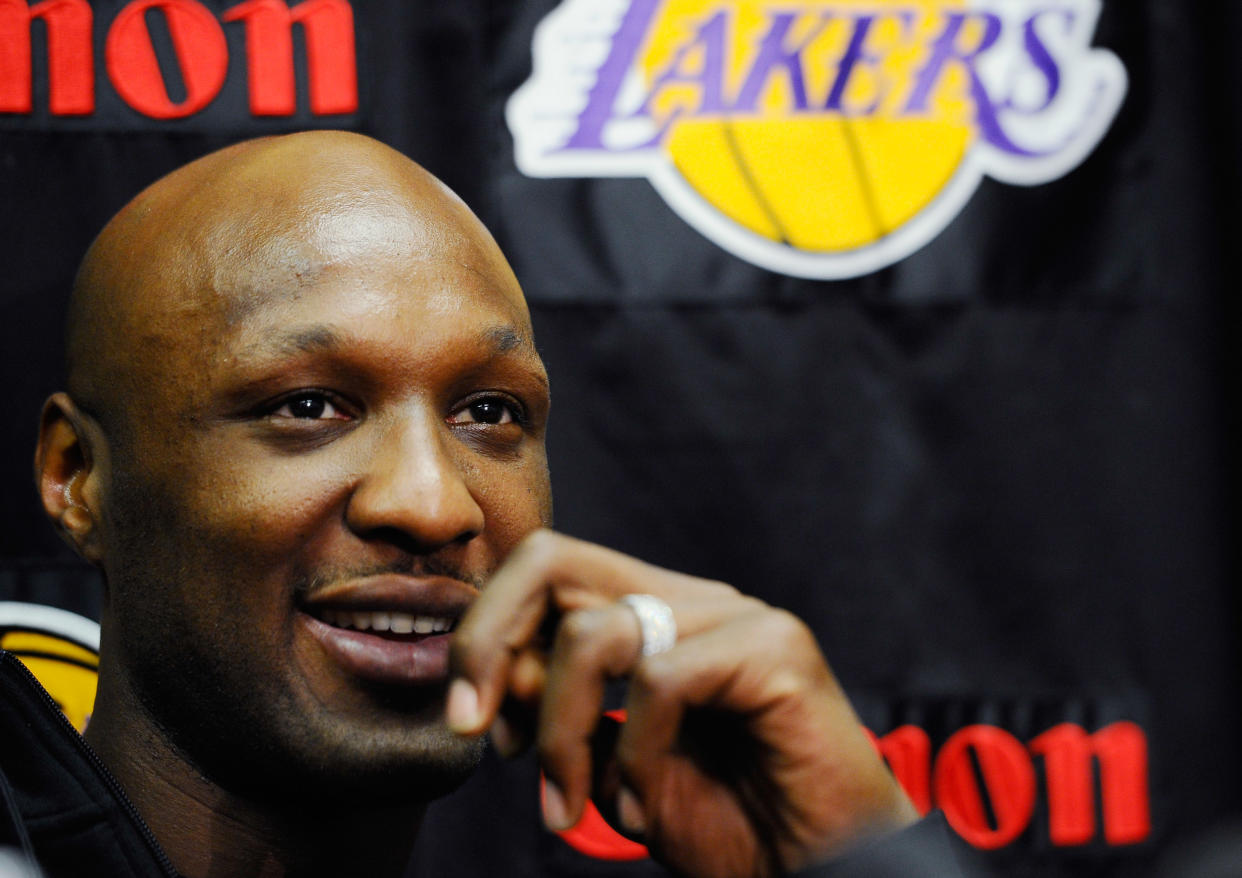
[(1051, 775), (817, 138), (254, 66)]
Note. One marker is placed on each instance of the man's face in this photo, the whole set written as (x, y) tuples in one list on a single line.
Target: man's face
[(346, 434)]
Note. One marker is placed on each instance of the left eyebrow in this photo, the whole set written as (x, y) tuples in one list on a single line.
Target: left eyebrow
[(504, 338), (313, 339), (508, 340)]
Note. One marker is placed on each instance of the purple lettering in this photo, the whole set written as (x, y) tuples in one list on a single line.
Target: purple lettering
[(774, 53), (710, 75), (854, 54), (625, 44), (1042, 58), (692, 82), (944, 50)]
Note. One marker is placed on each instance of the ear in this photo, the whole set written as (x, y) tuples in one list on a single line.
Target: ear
[(68, 473)]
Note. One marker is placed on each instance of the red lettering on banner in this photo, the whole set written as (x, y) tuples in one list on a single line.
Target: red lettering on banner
[(908, 752), (329, 26), (269, 55), (201, 50), (71, 74), (1007, 777), (592, 835), (1071, 791), (1121, 750), (331, 66)]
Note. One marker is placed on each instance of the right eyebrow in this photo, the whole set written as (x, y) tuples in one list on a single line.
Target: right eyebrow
[(312, 339), (318, 338)]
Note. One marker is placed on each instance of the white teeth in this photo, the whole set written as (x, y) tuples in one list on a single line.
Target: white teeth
[(396, 622)]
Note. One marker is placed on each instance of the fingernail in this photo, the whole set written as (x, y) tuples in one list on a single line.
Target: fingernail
[(503, 739), (555, 810), (630, 811), (462, 710)]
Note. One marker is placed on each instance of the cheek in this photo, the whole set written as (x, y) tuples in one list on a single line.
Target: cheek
[(515, 499), (262, 515), (241, 523)]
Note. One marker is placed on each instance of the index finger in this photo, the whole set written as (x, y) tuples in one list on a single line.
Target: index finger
[(546, 575)]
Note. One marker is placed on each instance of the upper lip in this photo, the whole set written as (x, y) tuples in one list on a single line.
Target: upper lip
[(440, 596)]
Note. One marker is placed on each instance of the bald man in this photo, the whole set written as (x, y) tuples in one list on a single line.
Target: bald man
[(303, 438)]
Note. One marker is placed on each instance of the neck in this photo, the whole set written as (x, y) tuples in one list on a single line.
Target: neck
[(208, 831)]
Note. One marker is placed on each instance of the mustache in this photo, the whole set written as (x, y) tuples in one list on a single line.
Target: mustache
[(308, 584)]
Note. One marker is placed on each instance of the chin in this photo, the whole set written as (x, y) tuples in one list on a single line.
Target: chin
[(362, 771), (421, 763), (384, 749)]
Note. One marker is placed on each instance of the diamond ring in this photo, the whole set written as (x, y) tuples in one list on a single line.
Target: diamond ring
[(655, 621)]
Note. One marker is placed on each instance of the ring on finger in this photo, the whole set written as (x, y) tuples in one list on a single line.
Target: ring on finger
[(655, 622)]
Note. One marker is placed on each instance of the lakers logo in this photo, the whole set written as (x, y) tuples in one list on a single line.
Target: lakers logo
[(821, 139), (60, 648)]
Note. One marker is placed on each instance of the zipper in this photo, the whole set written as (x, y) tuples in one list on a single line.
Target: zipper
[(109, 780)]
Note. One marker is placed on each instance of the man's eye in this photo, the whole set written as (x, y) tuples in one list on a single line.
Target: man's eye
[(309, 406), (491, 410)]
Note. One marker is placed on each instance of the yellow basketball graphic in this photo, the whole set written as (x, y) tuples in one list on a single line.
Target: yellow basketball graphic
[(821, 138), (60, 648), (824, 183)]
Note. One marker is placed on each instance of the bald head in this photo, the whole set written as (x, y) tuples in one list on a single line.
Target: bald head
[(261, 220)]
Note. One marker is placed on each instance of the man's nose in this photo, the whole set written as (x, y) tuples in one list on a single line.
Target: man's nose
[(414, 488)]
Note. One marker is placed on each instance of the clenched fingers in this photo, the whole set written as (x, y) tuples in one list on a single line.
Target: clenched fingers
[(545, 578)]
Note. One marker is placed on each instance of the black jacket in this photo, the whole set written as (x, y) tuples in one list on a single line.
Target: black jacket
[(924, 850), (58, 803)]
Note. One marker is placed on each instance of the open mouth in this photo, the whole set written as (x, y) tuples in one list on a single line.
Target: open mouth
[(385, 646), (388, 628), (386, 621)]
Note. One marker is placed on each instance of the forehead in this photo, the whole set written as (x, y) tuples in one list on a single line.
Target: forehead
[(421, 286), (408, 312), (375, 249), (376, 252)]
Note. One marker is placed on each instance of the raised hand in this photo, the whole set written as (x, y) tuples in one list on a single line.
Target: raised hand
[(741, 755)]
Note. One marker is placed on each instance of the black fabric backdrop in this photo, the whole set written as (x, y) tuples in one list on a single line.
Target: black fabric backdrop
[(995, 477)]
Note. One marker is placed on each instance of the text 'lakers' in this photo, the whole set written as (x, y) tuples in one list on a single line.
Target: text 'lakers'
[(817, 139)]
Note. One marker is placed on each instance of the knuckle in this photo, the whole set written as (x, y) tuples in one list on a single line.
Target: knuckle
[(723, 587), (579, 628), (552, 745), (752, 606), (787, 684), (801, 665), (539, 546), (705, 588), (783, 626), (651, 676)]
